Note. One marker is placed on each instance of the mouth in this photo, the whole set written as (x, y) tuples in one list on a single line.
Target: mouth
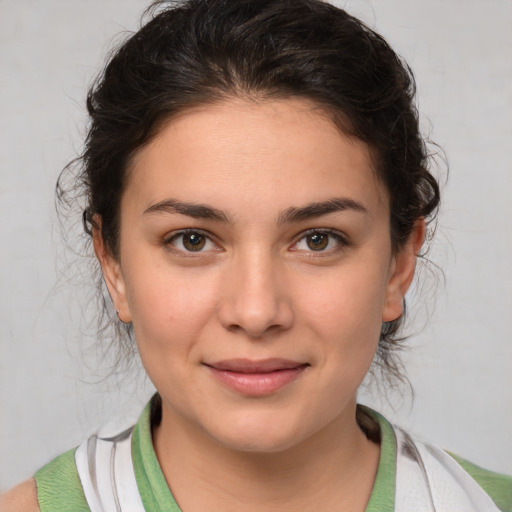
[(256, 378)]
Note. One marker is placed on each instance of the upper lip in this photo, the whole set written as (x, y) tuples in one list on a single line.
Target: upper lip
[(250, 366)]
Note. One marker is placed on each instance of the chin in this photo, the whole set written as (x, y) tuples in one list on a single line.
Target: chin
[(258, 435), (259, 444)]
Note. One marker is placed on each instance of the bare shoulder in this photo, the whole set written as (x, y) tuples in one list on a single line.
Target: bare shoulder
[(22, 498)]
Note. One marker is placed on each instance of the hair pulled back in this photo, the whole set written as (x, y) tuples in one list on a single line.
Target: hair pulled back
[(201, 51)]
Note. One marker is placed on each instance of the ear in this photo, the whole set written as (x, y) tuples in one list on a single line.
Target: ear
[(112, 274), (402, 273)]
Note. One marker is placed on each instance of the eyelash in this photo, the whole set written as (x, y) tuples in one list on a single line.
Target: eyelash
[(172, 237), (340, 241)]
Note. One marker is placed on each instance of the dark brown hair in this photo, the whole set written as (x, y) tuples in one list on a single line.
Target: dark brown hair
[(201, 51)]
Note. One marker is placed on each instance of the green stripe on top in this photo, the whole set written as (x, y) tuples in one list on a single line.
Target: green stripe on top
[(153, 488), (382, 498), (59, 487), (496, 485)]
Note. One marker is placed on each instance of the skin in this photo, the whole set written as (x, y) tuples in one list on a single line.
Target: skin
[(256, 290), (268, 173), (22, 498)]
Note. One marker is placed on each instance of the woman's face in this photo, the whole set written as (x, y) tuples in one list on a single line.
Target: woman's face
[(256, 267)]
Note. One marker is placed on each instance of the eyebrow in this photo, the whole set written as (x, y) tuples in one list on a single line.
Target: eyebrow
[(197, 211), (318, 209), (290, 215)]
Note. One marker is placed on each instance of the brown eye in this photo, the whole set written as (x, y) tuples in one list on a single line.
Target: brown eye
[(317, 241), (193, 241), (189, 241), (320, 241)]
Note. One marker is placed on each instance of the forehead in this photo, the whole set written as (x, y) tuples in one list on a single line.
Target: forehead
[(270, 154)]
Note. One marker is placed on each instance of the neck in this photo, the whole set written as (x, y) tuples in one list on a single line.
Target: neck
[(332, 470)]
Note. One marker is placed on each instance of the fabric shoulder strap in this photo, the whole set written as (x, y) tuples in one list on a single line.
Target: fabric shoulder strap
[(430, 480), (59, 487), (106, 472)]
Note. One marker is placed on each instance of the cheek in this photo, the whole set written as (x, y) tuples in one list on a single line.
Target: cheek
[(348, 304), (345, 314), (169, 309)]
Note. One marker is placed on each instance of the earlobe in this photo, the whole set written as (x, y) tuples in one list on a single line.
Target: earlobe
[(402, 273), (112, 275)]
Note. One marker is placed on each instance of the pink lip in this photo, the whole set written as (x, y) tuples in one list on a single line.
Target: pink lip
[(256, 378)]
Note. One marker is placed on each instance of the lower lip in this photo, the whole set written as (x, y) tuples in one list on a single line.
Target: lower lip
[(257, 384)]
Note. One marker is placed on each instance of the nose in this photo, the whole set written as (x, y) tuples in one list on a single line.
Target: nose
[(255, 299)]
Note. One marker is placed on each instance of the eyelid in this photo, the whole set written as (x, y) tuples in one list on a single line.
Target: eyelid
[(169, 237), (339, 236), (342, 239)]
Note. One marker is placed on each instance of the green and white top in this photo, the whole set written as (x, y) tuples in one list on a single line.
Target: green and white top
[(122, 473)]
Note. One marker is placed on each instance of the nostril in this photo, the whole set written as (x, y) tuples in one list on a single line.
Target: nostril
[(255, 333), (256, 323)]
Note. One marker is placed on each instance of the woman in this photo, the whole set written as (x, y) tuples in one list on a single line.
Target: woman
[(258, 194)]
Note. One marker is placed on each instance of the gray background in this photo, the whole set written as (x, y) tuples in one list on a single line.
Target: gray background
[(52, 390)]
